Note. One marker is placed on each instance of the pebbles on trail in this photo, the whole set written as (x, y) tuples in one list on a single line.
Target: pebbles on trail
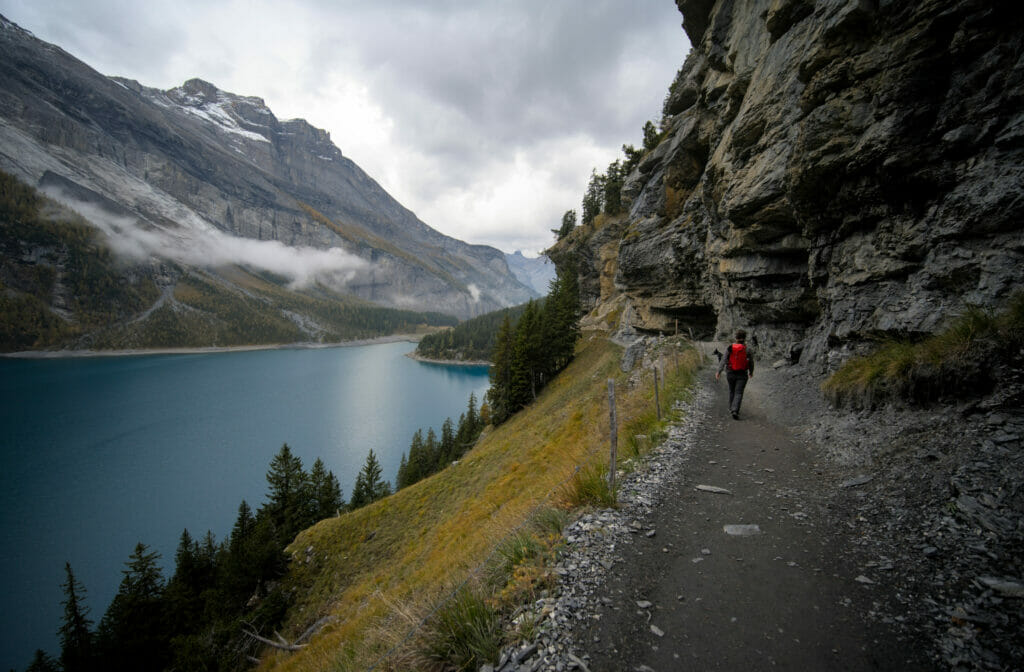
[(940, 516), (593, 544), (934, 504)]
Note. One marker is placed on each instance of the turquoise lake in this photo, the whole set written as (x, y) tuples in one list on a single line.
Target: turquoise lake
[(100, 453)]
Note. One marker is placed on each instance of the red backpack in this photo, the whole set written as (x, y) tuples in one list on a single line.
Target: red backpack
[(737, 357)]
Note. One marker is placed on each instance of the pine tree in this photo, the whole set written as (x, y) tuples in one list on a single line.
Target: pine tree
[(501, 374), (133, 633), (369, 486), (561, 318), (43, 662), (613, 188), (195, 573), (253, 556), (527, 356), (431, 453), (472, 418), (402, 478), (288, 491), (416, 469), (76, 637), (568, 224), (324, 493), (651, 136), (448, 449), (593, 199)]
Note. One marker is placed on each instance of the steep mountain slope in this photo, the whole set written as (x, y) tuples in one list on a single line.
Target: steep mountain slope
[(831, 172), (178, 169), (536, 273)]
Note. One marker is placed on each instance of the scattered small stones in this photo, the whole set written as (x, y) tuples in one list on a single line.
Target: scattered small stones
[(943, 515), (592, 550), (938, 525)]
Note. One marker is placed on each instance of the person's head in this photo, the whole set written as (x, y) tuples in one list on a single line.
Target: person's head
[(741, 336)]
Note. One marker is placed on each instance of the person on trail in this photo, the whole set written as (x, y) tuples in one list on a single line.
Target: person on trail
[(738, 363)]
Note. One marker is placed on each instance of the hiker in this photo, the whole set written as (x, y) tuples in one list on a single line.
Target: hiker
[(740, 363)]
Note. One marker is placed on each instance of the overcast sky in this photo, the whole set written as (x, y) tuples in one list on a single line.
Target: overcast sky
[(483, 117)]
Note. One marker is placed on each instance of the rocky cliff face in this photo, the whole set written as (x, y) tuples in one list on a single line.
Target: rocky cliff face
[(196, 156), (832, 171)]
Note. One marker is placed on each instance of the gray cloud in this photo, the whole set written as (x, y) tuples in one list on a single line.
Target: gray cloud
[(484, 118)]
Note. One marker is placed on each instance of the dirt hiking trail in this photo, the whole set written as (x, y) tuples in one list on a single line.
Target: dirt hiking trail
[(708, 591)]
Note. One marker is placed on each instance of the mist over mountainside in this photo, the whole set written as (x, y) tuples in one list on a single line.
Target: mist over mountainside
[(206, 179)]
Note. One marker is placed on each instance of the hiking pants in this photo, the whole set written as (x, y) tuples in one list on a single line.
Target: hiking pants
[(737, 382)]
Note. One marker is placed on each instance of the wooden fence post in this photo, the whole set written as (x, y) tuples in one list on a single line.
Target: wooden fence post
[(615, 432), (657, 402)]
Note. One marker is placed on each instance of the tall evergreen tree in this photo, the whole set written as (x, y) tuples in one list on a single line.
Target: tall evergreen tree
[(472, 418), (253, 556), (402, 478), (417, 466), (448, 449), (568, 224), (76, 637), (501, 374), (527, 355), (43, 662), (369, 486), (431, 452), (613, 181), (195, 573), (593, 199), (651, 136), (286, 498), (133, 633), (324, 493), (561, 318)]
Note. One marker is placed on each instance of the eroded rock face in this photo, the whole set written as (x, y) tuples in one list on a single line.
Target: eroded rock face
[(833, 170)]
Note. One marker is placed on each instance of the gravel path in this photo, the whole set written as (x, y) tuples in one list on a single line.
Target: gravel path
[(834, 557)]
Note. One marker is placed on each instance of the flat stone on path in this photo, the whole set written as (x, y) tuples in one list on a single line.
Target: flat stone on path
[(742, 530), (713, 488), (858, 480)]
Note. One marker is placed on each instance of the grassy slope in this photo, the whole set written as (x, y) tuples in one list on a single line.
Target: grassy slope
[(370, 566), (956, 363)]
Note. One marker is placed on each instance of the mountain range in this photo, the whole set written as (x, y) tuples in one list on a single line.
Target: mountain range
[(196, 182)]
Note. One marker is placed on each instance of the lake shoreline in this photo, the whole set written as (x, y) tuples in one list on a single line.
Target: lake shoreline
[(448, 362), (212, 349)]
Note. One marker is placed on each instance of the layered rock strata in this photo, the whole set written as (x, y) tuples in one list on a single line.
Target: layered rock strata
[(831, 171)]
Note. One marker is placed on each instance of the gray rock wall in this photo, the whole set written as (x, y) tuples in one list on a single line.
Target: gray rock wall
[(834, 170)]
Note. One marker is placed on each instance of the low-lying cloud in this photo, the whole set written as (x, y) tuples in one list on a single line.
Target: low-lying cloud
[(197, 243)]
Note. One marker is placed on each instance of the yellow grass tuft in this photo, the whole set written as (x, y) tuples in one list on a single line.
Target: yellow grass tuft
[(956, 362)]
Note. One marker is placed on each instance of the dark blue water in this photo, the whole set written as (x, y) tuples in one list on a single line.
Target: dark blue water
[(101, 453)]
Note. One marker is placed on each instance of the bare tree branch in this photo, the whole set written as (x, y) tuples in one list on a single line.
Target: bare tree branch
[(283, 644)]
